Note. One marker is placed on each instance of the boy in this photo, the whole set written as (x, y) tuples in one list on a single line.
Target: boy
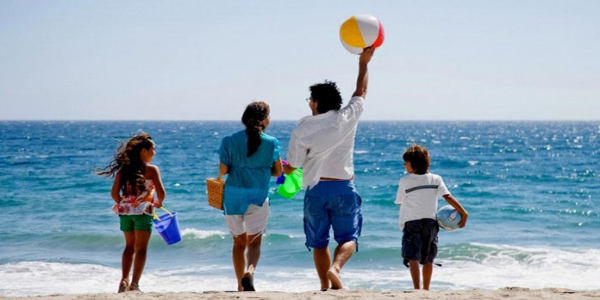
[(417, 195)]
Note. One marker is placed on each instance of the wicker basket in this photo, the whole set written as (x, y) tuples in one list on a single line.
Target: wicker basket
[(214, 190)]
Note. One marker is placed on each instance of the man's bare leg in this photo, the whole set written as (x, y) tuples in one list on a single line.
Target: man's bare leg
[(322, 259), (342, 254)]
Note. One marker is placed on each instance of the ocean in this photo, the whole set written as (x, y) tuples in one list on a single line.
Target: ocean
[(531, 189)]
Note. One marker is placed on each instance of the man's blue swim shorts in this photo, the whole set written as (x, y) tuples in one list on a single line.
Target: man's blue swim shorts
[(332, 204)]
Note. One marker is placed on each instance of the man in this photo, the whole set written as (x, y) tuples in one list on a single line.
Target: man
[(323, 145)]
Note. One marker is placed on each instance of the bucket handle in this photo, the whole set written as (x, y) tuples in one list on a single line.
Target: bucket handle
[(163, 208)]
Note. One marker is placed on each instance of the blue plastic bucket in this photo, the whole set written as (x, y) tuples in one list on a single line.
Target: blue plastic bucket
[(168, 227)]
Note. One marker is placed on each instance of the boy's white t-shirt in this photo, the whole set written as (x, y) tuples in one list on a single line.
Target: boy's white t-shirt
[(418, 195)]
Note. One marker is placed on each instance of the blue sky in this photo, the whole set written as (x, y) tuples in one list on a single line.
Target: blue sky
[(205, 60)]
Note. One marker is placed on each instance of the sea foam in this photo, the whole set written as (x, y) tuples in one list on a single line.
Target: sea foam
[(485, 267)]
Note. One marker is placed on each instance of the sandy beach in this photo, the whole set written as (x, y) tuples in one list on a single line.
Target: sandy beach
[(504, 293)]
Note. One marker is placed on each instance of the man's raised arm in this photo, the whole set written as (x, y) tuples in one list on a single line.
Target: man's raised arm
[(363, 72)]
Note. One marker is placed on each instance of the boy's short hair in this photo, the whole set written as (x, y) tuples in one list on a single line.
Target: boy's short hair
[(327, 95), (418, 157)]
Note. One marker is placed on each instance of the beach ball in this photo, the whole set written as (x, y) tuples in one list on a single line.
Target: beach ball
[(448, 218), (361, 31)]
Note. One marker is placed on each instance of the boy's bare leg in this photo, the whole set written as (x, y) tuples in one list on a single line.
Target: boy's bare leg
[(415, 274), (322, 259), (427, 272), (341, 255)]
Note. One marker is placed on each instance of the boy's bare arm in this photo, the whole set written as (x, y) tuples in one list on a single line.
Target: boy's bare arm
[(454, 203)]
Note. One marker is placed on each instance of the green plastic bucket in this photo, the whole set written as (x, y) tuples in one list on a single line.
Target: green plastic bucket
[(292, 184)]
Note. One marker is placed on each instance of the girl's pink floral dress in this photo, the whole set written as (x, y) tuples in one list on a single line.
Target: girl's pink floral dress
[(137, 205)]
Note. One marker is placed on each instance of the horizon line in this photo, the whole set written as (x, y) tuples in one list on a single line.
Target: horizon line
[(236, 120)]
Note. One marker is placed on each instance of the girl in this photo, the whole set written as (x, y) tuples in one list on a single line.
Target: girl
[(250, 157), (136, 183)]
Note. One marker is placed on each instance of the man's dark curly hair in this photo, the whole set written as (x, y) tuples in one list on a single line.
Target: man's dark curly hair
[(327, 95)]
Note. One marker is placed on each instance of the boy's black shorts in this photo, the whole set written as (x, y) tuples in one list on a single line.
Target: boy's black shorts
[(419, 241)]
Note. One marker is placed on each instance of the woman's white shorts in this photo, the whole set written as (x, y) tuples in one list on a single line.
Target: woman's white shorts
[(253, 221)]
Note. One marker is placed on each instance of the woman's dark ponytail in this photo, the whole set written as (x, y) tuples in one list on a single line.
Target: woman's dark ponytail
[(255, 113)]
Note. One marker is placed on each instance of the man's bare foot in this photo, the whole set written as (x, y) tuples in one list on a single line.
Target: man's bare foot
[(336, 280)]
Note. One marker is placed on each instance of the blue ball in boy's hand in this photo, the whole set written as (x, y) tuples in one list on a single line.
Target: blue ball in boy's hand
[(448, 218)]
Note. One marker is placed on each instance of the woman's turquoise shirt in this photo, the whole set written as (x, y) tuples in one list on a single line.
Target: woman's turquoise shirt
[(249, 177)]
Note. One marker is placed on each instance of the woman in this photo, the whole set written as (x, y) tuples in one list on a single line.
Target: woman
[(249, 157)]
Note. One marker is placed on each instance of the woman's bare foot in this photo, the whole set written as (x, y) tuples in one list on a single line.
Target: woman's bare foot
[(248, 282)]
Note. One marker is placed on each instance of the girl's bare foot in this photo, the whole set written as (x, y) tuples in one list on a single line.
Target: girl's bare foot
[(123, 285)]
